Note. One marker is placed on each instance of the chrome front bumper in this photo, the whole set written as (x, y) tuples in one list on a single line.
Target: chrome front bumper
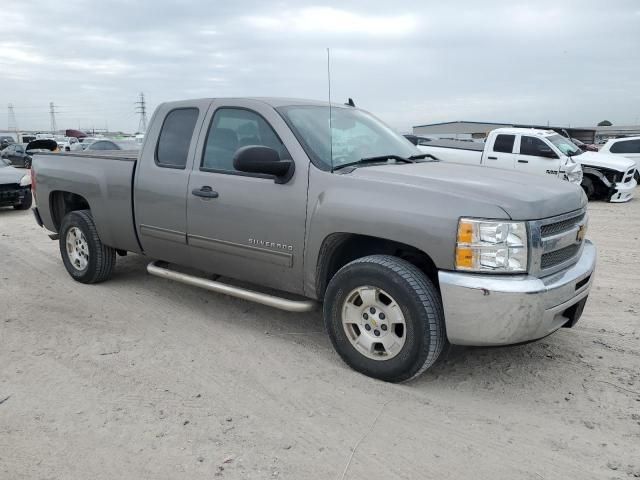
[(503, 310)]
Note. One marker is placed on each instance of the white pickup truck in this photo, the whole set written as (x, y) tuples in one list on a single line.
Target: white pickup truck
[(543, 152)]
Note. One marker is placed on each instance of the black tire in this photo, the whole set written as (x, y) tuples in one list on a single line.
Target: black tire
[(636, 177), (102, 259), (26, 202), (419, 302), (588, 187)]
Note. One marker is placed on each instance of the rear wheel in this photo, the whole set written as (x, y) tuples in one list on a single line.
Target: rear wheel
[(85, 257), (384, 318)]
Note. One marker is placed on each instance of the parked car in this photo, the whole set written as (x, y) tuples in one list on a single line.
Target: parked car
[(100, 145), (585, 147), (404, 254), (16, 155), (417, 140), (543, 152), (627, 147), (15, 187), (5, 141), (20, 155), (68, 144)]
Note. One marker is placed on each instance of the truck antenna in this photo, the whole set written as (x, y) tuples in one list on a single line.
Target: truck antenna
[(330, 129)]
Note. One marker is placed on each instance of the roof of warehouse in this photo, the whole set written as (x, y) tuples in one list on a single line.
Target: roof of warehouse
[(461, 121)]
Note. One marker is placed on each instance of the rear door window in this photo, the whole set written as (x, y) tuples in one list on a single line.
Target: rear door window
[(504, 143), (626, 146), (175, 138)]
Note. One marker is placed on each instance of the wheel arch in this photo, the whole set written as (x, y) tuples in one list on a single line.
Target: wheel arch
[(338, 249), (62, 202)]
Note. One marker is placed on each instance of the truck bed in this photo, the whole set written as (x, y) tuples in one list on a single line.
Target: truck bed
[(103, 179), (457, 144), (129, 155)]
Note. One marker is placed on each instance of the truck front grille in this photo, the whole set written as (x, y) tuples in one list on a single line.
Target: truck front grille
[(561, 226), (9, 187), (556, 243), (557, 257)]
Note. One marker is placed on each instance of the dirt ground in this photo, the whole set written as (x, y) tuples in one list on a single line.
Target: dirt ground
[(142, 378)]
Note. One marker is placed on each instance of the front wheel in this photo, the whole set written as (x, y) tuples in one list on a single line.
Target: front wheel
[(384, 317), (588, 187), (85, 257)]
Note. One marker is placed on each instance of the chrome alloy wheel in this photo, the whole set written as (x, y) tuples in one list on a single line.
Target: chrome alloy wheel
[(77, 248), (374, 323)]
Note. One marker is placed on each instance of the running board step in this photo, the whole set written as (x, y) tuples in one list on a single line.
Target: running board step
[(155, 268)]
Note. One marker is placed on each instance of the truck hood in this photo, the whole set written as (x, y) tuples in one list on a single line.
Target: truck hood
[(605, 160), (522, 196), (10, 175)]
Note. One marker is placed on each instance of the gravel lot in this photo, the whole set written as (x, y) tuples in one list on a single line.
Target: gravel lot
[(142, 378)]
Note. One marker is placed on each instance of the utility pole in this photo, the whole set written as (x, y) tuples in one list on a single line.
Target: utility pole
[(12, 124), (52, 114), (141, 108)]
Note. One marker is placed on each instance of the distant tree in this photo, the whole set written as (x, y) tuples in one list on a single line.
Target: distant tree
[(605, 123)]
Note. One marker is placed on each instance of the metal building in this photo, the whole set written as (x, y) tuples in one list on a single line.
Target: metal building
[(463, 130)]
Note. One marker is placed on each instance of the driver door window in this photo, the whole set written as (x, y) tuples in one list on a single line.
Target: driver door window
[(232, 129), (532, 146), (536, 157)]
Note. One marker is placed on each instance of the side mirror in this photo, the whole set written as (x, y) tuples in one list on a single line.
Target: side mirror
[(265, 160)]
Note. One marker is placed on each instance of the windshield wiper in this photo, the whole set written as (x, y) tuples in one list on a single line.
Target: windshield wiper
[(422, 156), (379, 158)]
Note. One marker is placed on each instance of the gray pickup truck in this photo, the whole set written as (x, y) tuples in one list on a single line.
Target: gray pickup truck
[(328, 205)]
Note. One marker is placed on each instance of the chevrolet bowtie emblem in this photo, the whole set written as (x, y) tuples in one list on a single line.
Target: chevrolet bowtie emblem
[(581, 232)]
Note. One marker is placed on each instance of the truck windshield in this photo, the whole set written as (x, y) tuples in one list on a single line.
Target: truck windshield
[(355, 135), (565, 145)]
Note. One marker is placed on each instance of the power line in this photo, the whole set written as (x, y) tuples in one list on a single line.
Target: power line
[(142, 110), (52, 113), (12, 123)]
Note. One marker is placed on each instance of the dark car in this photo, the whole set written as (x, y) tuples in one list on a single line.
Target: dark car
[(20, 156), (416, 140), (17, 155), (5, 141)]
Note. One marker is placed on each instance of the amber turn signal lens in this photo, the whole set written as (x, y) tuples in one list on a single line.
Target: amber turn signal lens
[(464, 257), (465, 232)]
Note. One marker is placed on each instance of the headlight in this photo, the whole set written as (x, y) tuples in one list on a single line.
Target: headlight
[(25, 181), (491, 246)]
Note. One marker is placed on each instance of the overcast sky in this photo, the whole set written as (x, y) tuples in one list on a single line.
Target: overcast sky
[(410, 62)]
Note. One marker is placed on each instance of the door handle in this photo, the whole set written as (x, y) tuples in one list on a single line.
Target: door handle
[(205, 192), (492, 158), (523, 161)]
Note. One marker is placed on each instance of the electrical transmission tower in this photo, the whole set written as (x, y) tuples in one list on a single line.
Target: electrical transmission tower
[(141, 108), (12, 124), (52, 114)]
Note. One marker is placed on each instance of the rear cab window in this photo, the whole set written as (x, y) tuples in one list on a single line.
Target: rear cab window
[(504, 143), (175, 136)]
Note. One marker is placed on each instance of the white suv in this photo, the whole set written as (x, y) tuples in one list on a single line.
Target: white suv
[(628, 147)]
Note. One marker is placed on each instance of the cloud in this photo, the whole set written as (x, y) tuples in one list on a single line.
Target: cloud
[(329, 20), (409, 62)]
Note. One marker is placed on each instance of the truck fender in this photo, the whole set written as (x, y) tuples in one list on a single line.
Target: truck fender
[(597, 173)]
